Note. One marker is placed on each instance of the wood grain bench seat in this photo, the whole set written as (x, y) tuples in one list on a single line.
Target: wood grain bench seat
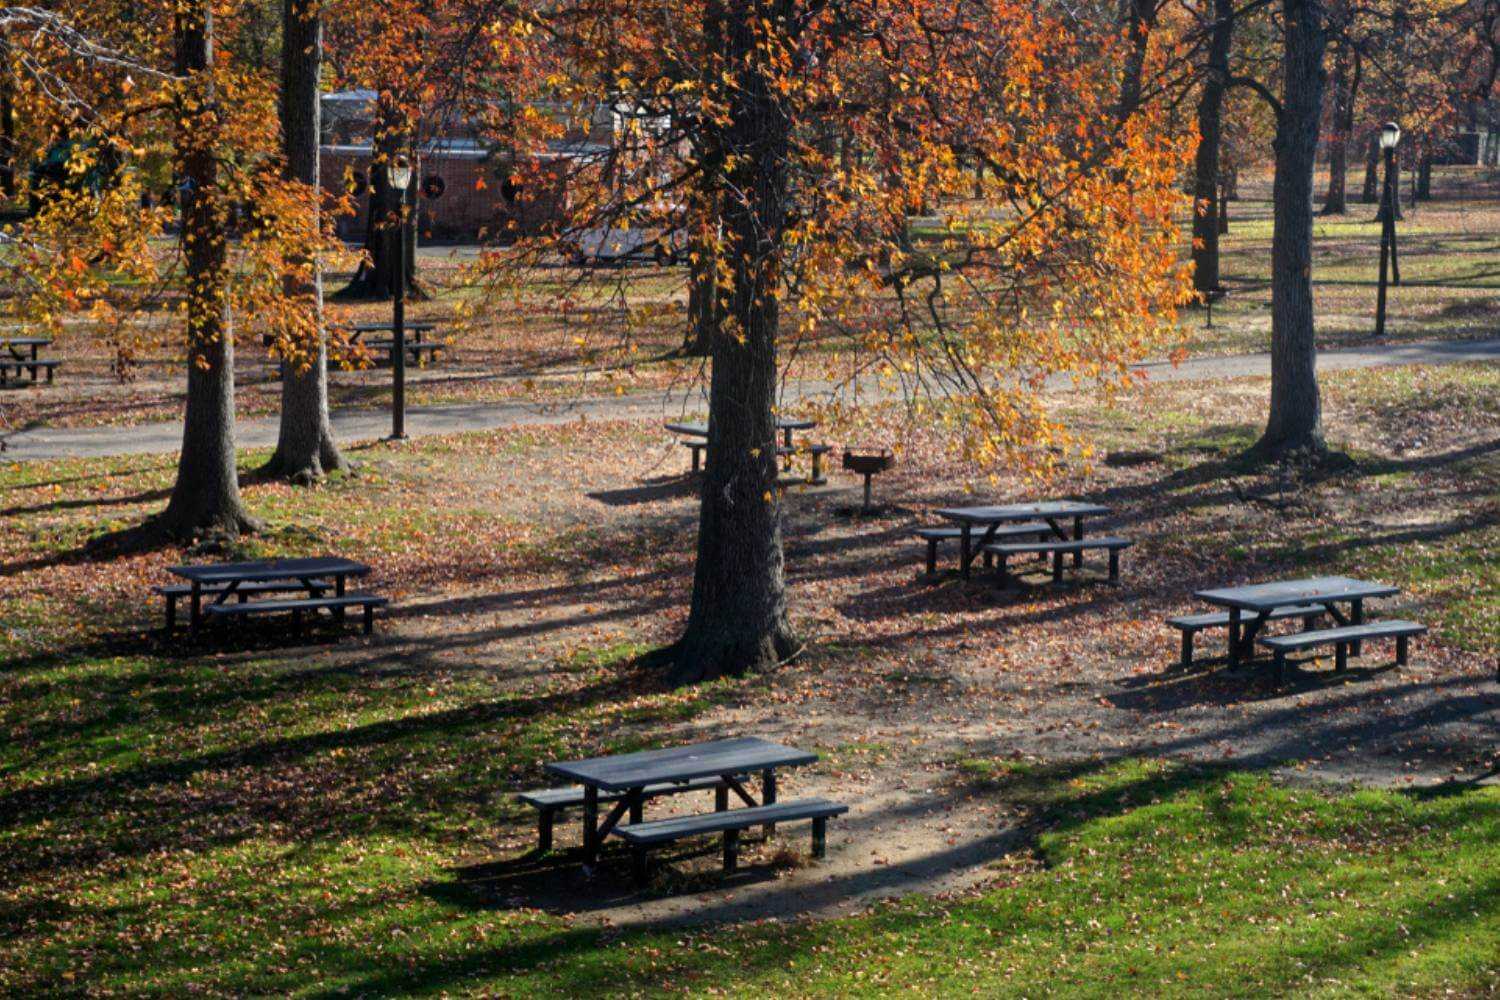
[(644, 836), (1341, 639), (1190, 625), (1057, 548), (549, 802), (296, 606), (174, 592), (936, 536)]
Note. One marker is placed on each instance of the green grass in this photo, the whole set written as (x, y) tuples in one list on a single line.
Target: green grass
[(1132, 876)]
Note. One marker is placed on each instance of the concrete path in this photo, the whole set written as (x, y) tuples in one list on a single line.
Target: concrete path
[(424, 421)]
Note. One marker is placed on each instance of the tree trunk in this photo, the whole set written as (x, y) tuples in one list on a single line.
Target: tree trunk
[(7, 125), (376, 277), (1206, 160), (738, 618), (1139, 17), (1296, 419), (305, 448), (1370, 193), (702, 305), (1424, 175), (1345, 85), (206, 497)]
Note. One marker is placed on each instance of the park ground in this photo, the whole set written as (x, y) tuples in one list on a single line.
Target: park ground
[(1042, 802)]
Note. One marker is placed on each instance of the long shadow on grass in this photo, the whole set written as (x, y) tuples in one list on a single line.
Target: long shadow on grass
[(392, 773), (1052, 798)]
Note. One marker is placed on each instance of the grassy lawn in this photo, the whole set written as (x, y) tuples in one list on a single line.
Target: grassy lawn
[(336, 818), (1136, 875)]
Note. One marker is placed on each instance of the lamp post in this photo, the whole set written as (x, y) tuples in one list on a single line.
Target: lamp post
[(1390, 135), (398, 173)]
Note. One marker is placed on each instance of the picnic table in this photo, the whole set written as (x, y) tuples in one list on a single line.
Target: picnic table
[(35, 344), (25, 353), (988, 519), (221, 581), (1263, 599), (415, 330), (786, 426), (628, 775)]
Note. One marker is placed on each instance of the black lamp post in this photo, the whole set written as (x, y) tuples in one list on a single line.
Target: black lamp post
[(398, 173), (1390, 135)]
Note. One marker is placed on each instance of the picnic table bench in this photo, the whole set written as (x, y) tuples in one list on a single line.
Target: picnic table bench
[(1250, 607), (979, 526), (696, 439), (1057, 548), (315, 577), (416, 343), (629, 780), (23, 354), (935, 536), (1191, 625)]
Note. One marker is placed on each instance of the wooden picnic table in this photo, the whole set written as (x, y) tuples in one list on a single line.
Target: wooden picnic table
[(786, 427), (34, 343), (727, 759), (222, 580), (990, 518), (416, 329), (1264, 598)]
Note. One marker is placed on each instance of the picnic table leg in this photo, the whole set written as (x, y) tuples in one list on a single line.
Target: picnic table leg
[(544, 829), (195, 600), (731, 850), (590, 825), (1357, 617), (721, 797), (339, 586), (768, 795), (637, 805), (1234, 637), (965, 549), (1077, 537)]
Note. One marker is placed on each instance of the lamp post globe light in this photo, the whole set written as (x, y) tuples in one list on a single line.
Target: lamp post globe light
[(1390, 137), (398, 173)]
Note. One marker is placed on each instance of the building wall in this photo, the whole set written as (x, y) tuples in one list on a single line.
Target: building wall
[(477, 202)]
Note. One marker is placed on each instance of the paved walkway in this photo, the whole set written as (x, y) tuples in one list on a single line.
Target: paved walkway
[(424, 421)]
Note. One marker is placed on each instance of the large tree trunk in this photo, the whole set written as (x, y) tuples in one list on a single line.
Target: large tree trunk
[(1206, 161), (738, 618), (702, 304), (1296, 418), (376, 277), (1424, 174), (305, 448), (1140, 16), (206, 497), (1345, 88), (1370, 191)]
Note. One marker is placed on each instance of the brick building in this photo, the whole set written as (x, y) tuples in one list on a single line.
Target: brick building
[(478, 199)]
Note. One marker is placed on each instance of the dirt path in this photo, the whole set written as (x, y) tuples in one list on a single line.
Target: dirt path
[(41, 443)]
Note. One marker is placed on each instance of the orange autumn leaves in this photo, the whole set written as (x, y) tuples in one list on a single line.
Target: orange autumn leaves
[(963, 215)]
